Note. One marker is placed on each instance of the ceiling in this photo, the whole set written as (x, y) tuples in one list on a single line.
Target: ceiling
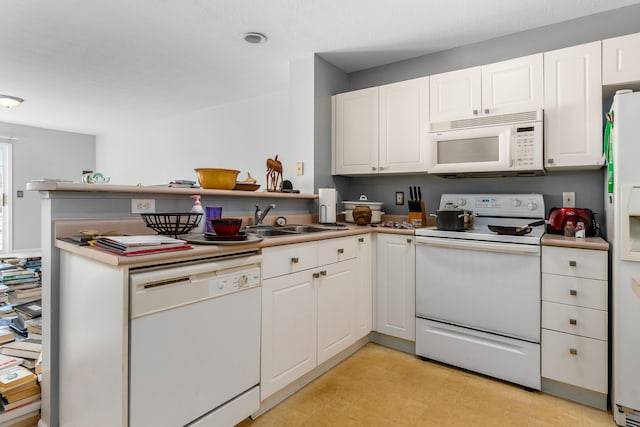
[(89, 66)]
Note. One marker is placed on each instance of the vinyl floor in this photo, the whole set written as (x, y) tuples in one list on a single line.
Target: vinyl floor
[(378, 386)]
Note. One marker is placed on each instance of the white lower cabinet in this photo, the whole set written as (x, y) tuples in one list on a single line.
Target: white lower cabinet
[(395, 286), (575, 318), (310, 315)]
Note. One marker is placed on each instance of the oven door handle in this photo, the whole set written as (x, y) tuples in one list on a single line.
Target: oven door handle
[(476, 245)]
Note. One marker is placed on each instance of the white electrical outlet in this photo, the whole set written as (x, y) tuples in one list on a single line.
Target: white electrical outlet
[(568, 199), (299, 168), (143, 205)]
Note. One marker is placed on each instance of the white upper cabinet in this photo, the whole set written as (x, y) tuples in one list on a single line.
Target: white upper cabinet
[(381, 129), (621, 59), (355, 132), (513, 86), (455, 94), (500, 88), (404, 116), (573, 107)]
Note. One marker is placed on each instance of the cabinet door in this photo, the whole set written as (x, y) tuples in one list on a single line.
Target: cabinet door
[(336, 307), (364, 287), (456, 94), (355, 132), (573, 107), (621, 59), (513, 86), (404, 117), (395, 287), (288, 330)]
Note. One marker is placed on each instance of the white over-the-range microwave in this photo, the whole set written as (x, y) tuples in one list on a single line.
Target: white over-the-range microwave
[(500, 145)]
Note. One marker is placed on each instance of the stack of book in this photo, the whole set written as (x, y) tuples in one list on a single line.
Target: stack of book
[(139, 245), (28, 349), (20, 286), (19, 393)]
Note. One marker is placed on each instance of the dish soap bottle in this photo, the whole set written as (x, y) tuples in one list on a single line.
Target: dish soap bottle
[(197, 208)]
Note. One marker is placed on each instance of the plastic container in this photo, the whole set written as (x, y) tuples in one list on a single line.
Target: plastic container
[(569, 229), (580, 231), (197, 208)]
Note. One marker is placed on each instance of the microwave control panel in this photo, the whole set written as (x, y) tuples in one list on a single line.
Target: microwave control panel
[(526, 152)]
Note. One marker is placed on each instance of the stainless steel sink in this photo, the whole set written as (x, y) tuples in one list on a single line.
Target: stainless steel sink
[(269, 232), (303, 228), (289, 230)]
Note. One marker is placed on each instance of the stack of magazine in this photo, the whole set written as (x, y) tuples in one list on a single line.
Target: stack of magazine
[(139, 245)]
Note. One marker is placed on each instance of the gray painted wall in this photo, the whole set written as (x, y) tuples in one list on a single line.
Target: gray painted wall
[(588, 185), (42, 153)]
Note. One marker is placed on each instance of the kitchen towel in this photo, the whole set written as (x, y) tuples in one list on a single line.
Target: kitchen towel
[(327, 200)]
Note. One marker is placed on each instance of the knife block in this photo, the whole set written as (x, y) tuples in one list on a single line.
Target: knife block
[(418, 219)]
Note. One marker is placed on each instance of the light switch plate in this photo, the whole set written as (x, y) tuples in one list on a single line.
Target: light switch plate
[(568, 199), (299, 168)]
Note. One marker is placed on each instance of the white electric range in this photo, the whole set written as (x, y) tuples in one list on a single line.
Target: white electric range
[(478, 292)]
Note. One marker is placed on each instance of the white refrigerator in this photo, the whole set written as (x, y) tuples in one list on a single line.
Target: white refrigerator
[(622, 207)]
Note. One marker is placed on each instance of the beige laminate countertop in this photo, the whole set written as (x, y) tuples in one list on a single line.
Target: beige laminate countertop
[(597, 243), (210, 250)]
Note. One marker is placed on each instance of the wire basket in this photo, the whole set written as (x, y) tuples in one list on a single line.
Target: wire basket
[(172, 224)]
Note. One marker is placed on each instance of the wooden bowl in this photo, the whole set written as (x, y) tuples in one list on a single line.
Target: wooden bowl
[(217, 179)]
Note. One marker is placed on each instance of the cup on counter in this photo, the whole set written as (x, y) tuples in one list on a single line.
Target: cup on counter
[(211, 212)]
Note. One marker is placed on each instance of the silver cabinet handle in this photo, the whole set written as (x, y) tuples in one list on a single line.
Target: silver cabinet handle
[(316, 275), (475, 112), (572, 263), (381, 168), (373, 168), (486, 111), (573, 351), (573, 292), (361, 239), (573, 322), (295, 260), (340, 251), (323, 273), (550, 161), (409, 241)]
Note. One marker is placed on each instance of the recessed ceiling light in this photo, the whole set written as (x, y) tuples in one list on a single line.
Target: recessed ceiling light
[(255, 38), (10, 101)]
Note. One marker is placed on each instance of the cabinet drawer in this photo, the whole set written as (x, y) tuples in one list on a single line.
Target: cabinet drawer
[(585, 322), (573, 262), (288, 259), (575, 360), (578, 291), (340, 249)]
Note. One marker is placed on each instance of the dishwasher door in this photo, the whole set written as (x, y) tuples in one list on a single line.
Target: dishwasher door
[(194, 345)]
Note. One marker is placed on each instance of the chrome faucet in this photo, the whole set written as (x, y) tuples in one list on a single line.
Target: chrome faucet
[(260, 214)]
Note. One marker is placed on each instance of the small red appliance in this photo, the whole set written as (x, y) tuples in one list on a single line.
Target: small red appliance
[(558, 218)]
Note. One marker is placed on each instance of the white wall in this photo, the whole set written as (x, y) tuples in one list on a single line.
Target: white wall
[(241, 135), (41, 153)]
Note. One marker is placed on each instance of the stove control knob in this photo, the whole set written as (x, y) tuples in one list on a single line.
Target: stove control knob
[(532, 206), (516, 203), (462, 202)]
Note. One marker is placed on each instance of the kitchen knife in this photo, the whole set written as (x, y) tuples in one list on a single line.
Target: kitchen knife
[(410, 194), (419, 194)]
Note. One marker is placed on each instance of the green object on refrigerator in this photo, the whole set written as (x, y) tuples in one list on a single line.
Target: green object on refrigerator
[(608, 151)]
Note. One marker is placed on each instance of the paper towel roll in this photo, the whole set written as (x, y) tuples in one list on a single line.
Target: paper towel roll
[(328, 201)]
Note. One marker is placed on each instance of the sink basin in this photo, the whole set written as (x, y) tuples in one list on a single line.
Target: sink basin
[(303, 228), (289, 230), (269, 232)]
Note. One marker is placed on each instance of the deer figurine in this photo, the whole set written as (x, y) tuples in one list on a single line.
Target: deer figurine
[(274, 174)]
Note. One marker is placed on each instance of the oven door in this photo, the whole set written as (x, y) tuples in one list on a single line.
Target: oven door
[(484, 149), (487, 286)]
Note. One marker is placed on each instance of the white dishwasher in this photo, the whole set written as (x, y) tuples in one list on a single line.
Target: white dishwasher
[(194, 343)]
